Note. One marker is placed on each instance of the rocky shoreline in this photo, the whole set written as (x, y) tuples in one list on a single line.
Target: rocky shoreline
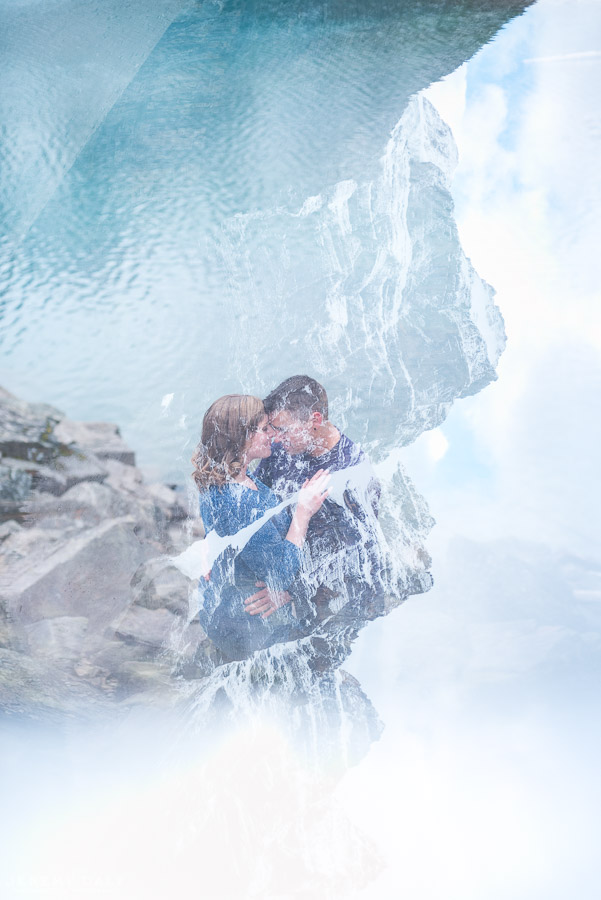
[(95, 618), (86, 616)]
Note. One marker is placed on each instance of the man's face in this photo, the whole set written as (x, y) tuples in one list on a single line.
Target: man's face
[(295, 435)]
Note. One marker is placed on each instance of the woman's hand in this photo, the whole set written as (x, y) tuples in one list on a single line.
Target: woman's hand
[(313, 492), (265, 602), (310, 497)]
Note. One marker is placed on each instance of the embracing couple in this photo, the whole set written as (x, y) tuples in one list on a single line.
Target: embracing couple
[(318, 553)]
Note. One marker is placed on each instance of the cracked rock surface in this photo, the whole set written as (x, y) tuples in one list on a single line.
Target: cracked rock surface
[(81, 621)]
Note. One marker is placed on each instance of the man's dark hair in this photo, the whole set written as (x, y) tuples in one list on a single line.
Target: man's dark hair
[(299, 395)]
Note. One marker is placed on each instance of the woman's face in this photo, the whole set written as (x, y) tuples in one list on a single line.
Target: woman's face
[(258, 445)]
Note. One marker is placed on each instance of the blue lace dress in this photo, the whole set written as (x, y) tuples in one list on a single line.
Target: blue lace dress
[(267, 557)]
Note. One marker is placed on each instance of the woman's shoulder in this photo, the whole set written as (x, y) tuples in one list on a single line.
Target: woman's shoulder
[(213, 501), (222, 495), (231, 506), (268, 497)]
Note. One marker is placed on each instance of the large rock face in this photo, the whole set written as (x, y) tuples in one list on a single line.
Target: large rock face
[(405, 327), (87, 575)]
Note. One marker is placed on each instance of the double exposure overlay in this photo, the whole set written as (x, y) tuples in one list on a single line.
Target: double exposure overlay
[(281, 285)]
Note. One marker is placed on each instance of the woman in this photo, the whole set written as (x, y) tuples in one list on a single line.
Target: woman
[(236, 431)]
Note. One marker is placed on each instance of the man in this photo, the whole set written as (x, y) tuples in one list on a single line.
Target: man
[(342, 546)]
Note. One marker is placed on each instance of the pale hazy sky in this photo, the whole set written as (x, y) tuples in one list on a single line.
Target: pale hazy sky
[(485, 783), (487, 773)]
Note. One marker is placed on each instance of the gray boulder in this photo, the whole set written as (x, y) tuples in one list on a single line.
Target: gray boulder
[(20, 479), (168, 499), (76, 467), (26, 428), (152, 627), (100, 438), (124, 478), (193, 652), (9, 528), (128, 480), (6, 635), (89, 502), (108, 656), (32, 476), (15, 488), (23, 547), (43, 451), (54, 478), (31, 686), (141, 676), (167, 589), (61, 638), (87, 574)]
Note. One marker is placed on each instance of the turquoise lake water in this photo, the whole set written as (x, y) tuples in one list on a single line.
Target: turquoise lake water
[(155, 256), (152, 152)]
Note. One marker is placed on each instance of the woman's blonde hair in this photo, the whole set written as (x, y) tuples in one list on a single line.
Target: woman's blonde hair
[(226, 427)]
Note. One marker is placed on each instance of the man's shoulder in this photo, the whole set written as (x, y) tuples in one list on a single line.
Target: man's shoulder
[(272, 466), (348, 453)]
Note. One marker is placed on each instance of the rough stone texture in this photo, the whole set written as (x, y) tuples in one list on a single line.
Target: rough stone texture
[(89, 575), (196, 656), (89, 502), (79, 467), (181, 534), (141, 676), (26, 428), (33, 476), (108, 656), (30, 686), (128, 481), (15, 488), (167, 589), (168, 499), (124, 478), (79, 611), (8, 528), (146, 626), (23, 549), (101, 438), (171, 589), (61, 637), (6, 635)]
